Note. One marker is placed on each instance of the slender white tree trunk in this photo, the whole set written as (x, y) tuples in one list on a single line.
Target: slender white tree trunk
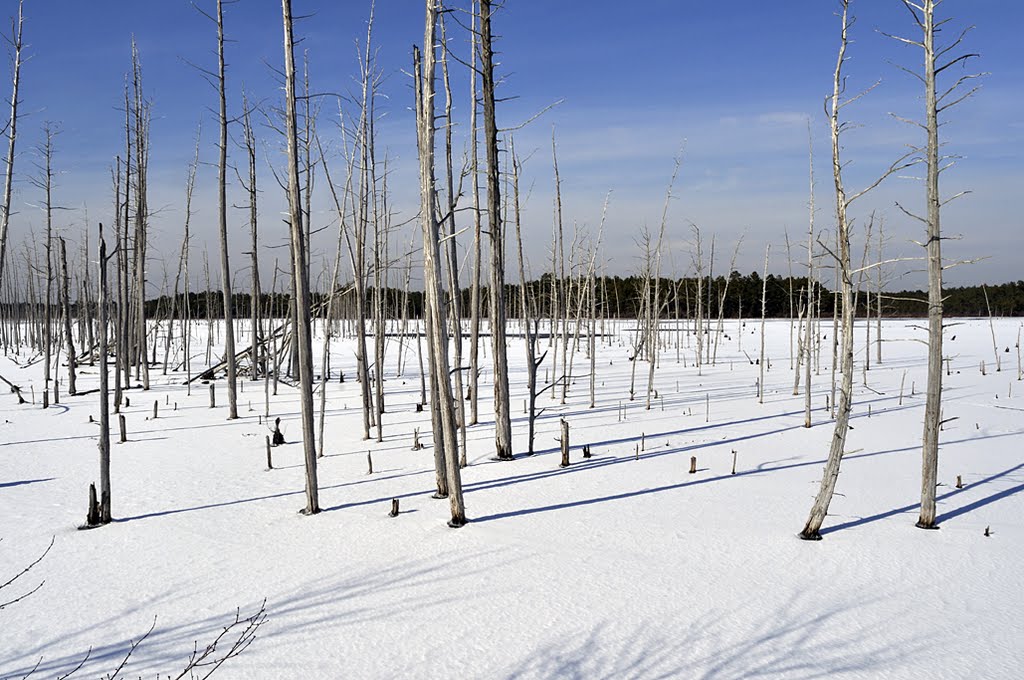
[(434, 290), (300, 270)]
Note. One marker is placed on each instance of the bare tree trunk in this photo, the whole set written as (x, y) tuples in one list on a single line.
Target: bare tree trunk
[(502, 415), (700, 300), (878, 297), (563, 286), (65, 303), (992, 330), (810, 280), (104, 440), (325, 369), (933, 398), (222, 217), (789, 263), (830, 475), (764, 296), (474, 171), (720, 328), (655, 316), (256, 359), (436, 332), (592, 294), (530, 322), (300, 270), (119, 319), (142, 118), (451, 252), (363, 209), (190, 183), (45, 184), (12, 137)]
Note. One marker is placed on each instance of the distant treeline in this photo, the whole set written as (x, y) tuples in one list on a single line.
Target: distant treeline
[(620, 297)]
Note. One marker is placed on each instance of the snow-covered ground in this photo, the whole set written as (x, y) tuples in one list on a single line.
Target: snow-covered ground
[(615, 567)]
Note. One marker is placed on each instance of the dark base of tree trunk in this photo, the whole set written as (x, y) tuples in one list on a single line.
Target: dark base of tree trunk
[(503, 457), (307, 511), (922, 525), (438, 495), (809, 536), (92, 516), (87, 526), (458, 522)]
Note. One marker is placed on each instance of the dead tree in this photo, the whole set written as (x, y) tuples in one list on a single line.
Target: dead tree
[(451, 251), (257, 361), (437, 337), (44, 182), (530, 320), (720, 328), (559, 281), (592, 294), (101, 514), (364, 210), (937, 59), (810, 280), (181, 314), (764, 297), (140, 112), (65, 304), (219, 77), (835, 103), (499, 349), (830, 475), (12, 135), (654, 318), (300, 269), (474, 173)]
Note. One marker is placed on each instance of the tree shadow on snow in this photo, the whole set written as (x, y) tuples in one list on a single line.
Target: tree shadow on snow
[(5, 485), (950, 514), (796, 640), (766, 467), (254, 499)]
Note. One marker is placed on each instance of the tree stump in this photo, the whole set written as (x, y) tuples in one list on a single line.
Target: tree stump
[(369, 463), (394, 508), (92, 516), (586, 450), (156, 408), (733, 462), (270, 462), (121, 426), (693, 465), (278, 439), (565, 444), (213, 396)]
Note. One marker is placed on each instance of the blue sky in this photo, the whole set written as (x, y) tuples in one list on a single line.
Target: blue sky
[(732, 84)]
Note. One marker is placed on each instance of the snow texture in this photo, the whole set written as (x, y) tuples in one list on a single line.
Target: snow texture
[(615, 567)]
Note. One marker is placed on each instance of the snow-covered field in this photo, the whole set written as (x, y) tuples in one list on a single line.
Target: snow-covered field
[(615, 567)]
